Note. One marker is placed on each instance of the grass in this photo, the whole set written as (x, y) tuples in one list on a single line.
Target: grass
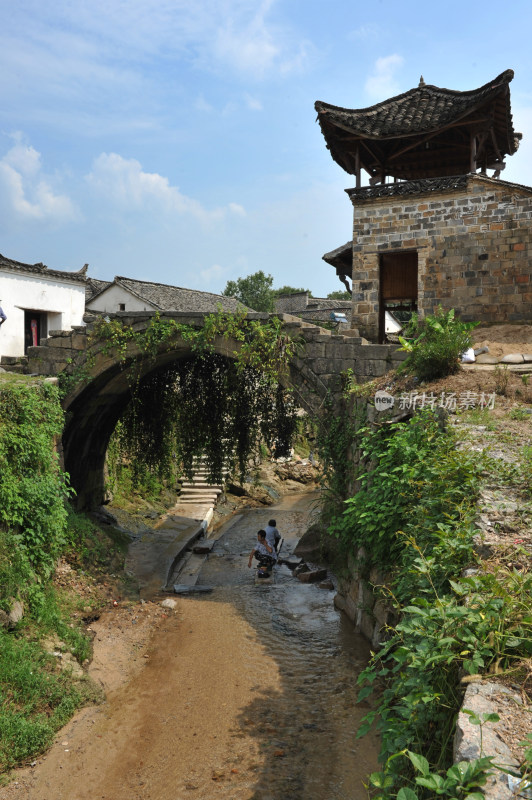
[(36, 701), (520, 414), (482, 416), (37, 697), (14, 377)]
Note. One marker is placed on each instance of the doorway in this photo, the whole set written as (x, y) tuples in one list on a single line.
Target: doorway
[(398, 292), (35, 328)]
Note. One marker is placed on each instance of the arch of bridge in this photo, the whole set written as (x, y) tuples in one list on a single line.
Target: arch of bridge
[(96, 404)]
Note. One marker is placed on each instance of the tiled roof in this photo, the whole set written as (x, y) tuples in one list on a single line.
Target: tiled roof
[(419, 112), (43, 270), (423, 109), (94, 287), (341, 258), (171, 298), (326, 304)]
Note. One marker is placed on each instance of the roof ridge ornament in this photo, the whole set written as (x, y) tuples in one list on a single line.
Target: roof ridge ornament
[(421, 82)]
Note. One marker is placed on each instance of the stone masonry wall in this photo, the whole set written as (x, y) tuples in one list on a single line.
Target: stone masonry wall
[(474, 248), (315, 370)]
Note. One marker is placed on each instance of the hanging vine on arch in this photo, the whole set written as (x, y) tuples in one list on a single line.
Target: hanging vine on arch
[(207, 405)]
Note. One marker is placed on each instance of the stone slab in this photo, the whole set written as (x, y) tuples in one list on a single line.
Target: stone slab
[(512, 358), (485, 358)]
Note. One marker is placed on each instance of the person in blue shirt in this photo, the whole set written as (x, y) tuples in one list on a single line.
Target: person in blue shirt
[(273, 537), (2, 316)]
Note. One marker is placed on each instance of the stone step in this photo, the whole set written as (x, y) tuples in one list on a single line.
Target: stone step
[(197, 499), (7, 361), (20, 369), (202, 485)]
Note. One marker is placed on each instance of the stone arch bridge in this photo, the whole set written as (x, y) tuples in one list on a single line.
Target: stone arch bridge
[(96, 403)]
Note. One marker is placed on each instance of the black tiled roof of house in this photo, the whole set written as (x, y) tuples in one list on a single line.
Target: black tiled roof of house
[(171, 298), (341, 258), (42, 269), (326, 304), (425, 108), (94, 287), (419, 112)]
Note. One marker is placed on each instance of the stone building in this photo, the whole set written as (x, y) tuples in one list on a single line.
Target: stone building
[(436, 225), (318, 310)]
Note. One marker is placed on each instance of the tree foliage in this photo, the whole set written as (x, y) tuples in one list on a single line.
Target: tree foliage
[(254, 291)]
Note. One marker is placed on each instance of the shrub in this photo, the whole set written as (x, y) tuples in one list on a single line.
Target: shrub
[(33, 488), (435, 345), (413, 481)]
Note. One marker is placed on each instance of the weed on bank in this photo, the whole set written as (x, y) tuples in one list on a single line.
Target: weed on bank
[(38, 529)]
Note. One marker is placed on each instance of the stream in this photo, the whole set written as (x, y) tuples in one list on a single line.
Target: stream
[(313, 716)]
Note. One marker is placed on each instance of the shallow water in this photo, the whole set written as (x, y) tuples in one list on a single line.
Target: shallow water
[(313, 718)]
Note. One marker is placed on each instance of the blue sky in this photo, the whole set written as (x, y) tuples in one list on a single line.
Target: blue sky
[(176, 141)]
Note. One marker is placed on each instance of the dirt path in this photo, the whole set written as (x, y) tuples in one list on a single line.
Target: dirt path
[(169, 730), (194, 709)]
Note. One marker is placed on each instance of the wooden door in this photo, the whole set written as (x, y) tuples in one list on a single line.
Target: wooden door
[(398, 284)]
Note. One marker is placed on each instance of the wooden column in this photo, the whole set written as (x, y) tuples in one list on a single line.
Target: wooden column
[(473, 161)]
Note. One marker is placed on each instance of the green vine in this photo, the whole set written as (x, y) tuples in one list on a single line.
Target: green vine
[(259, 344), (220, 408), (339, 427)]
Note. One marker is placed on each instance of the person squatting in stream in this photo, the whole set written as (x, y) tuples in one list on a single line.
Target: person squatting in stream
[(263, 552)]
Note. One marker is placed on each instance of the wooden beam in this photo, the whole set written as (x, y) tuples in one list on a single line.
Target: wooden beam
[(422, 140)]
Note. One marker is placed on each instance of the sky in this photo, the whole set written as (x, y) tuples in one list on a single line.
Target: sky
[(176, 140)]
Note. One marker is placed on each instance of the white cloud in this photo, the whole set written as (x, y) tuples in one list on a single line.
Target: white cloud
[(94, 43), (213, 274), (365, 32), (23, 158), (26, 194), (124, 182), (202, 105), (382, 83), (248, 45), (237, 209), (253, 103)]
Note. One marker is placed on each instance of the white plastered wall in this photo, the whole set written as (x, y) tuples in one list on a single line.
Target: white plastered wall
[(114, 296), (63, 303)]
